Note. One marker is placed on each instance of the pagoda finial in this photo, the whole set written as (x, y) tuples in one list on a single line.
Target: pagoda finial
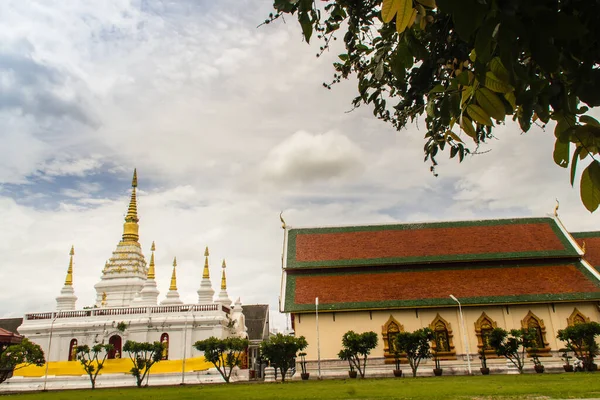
[(223, 278), (131, 227), (283, 225), (206, 272), (556, 208), (583, 247), (151, 270), (174, 276), (69, 278)]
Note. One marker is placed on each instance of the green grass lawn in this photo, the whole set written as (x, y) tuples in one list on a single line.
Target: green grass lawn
[(531, 386)]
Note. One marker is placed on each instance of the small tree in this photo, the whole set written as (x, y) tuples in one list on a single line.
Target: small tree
[(512, 345), (416, 345), (17, 356), (224, 354), (90, 359), (281, 350), (357, 345), (143, 355), (581, 340), (302, 356)]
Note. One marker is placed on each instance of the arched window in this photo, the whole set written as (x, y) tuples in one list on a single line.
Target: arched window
[(442, 338), (389, 332), (115, 340), (483, 328), (73, 350), (577, 317), (533, 322), (164, 340)]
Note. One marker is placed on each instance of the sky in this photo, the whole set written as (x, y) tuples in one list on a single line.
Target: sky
[(228, 124)]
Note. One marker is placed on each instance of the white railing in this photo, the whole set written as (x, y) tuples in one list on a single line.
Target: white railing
[(128, 311)]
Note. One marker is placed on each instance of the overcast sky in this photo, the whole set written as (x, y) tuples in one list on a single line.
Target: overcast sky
[(228, 124)]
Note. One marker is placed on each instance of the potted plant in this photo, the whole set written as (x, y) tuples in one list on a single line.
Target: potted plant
[(568, 367), (346, 355), (304, 375), (397, 371), (482, 356), (437, 371), (537, 364)]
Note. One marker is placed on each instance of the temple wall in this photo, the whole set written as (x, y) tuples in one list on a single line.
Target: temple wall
[(332, 325)]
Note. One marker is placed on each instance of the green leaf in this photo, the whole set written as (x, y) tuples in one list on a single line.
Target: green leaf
[(467, 126), (430, 108), (512, 100), (379, 71), (437, 89), (404, 14), (389, 8), (499, 70), (479, 115), (574, 163), (494, 83), (491, 103), (343, 57), (483, 41), (586, 119), (589, 187), (306, 25), (561, 153)]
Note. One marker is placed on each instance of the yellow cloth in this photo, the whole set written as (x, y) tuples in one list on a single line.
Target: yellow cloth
[(115, 366)]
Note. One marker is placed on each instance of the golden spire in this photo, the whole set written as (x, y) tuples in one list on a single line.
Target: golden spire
[(556, 208), (223, 278), (69, 279), (130, 228), (174, 276), (583, 247), (151, 272), (205, 273)]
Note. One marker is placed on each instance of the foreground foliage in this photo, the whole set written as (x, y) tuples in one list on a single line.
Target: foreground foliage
[(143, 355), (528, 386), (581, 339), (513, 345), (90, 359), (281, 351), (468, 65), (356, 348), (416, 345), (224, 354), (19, 355)]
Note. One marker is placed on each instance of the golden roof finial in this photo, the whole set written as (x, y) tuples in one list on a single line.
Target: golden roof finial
[(283, 226), (556, 208), (205, 272), (134, 180), (583, 247), (69, 278), (151, 270), (223, 278), (131, 228), (174, 276)]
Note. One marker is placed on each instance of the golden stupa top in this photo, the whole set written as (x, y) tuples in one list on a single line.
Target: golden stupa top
[(69, 278), (128, 257), (223, 278), (205, 272), (151, 271), (131, 227), (174, 276)]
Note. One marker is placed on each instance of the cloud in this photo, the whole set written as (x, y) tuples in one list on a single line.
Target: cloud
[(304, 158)]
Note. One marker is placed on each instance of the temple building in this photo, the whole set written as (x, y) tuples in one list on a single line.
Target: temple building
[(127, 307), (508, 273)]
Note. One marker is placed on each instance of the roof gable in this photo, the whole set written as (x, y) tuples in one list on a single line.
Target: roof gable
[(522, 238), (591, 242)]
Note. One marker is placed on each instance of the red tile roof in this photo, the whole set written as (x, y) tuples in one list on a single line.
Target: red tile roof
[(9, 337), (592, 247), (420, 288), (425, 243)]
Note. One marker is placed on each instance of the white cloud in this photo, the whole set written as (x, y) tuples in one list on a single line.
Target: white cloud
[(304, 157)]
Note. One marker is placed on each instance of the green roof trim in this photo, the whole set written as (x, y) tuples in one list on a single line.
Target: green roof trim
[(291, 306), (583, 235), (291, 263)]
